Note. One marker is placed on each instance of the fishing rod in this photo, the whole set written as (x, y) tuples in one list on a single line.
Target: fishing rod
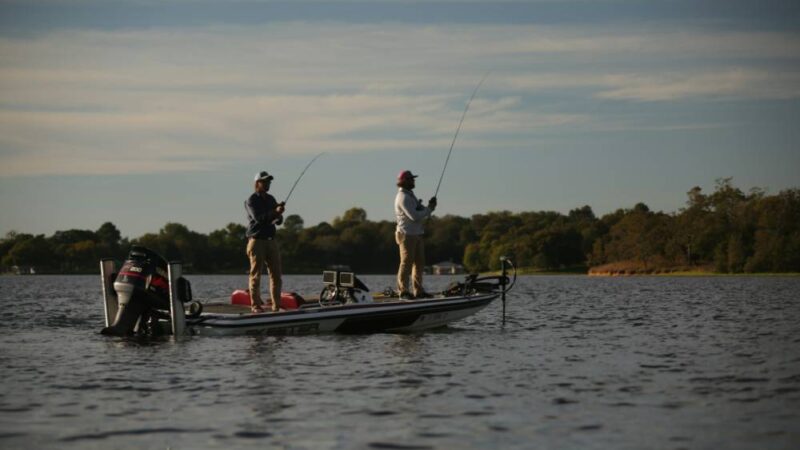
[(283, 203), (301, 176), (463, 115)]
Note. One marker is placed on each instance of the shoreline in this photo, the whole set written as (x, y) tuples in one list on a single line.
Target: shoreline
[(686, 274)]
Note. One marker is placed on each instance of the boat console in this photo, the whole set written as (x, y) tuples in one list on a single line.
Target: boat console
[(342, 288)]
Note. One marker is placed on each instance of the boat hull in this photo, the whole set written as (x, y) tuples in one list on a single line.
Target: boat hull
[(392, 316)]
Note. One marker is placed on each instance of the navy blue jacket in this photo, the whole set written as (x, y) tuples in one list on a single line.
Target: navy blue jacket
[(260, 214)]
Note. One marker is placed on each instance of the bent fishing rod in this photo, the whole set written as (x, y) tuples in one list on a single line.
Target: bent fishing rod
[(283, 203), (301, 176), (452, 144)]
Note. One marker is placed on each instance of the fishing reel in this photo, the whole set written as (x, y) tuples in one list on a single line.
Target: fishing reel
[(343, 288)]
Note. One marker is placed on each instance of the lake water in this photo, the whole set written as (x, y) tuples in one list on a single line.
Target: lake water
[(582, 363)]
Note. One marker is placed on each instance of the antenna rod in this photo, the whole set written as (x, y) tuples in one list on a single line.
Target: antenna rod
[(463, 115)]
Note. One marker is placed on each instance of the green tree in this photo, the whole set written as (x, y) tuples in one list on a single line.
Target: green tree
[(109, 236), (474, 261), (728, 229), (293, 223), (735, 256), (35, 252), (227, 247)]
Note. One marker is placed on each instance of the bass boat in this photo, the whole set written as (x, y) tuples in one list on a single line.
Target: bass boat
[(149, 296)]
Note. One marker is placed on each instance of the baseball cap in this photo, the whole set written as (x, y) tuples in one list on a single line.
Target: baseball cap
[(405, 174), (263, 176)]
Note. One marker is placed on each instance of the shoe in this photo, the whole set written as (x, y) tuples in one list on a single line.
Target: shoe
[(257, 309), (423, 295), (405, 296)]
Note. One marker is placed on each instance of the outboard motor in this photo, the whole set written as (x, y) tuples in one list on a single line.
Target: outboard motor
[(142, 288)]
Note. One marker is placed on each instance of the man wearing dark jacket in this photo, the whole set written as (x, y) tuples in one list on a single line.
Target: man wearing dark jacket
[(263, 213)]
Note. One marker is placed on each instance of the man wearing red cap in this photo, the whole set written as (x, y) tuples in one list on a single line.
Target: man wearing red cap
[(411, 214)]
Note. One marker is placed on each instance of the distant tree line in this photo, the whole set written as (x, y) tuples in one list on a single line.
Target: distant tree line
[(726, 231)]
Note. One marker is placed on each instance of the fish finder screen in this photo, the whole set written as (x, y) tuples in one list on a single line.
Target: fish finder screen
[(329, 277), (346, 279)]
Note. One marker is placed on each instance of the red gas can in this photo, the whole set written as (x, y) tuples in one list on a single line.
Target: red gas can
[(289, 300), (240, 297)]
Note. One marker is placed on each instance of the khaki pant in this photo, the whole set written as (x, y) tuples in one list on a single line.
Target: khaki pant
[(260, 252), (412, 260)]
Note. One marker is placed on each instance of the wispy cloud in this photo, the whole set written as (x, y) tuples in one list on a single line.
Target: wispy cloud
[(736, 83), (193, 98)]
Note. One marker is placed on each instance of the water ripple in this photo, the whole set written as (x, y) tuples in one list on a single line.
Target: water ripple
[(583, 363), (131, 432)]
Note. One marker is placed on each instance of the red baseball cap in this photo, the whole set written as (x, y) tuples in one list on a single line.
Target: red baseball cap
[(405, 174)]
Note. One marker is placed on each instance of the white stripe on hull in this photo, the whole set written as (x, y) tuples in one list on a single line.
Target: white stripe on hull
[(310, 327)]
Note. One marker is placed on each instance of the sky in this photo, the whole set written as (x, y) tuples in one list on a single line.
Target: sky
[(142, 113)]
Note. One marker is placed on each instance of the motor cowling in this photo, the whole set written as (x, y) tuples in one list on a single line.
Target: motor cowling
[(143, 291)]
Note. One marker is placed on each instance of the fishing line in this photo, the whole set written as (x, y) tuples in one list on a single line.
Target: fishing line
[(463, 115)]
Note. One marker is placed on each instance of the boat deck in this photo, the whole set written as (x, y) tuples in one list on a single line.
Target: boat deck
[(227, 308)]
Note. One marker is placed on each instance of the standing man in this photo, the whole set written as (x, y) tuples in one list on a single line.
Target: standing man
[(411, 214), (263, 213)]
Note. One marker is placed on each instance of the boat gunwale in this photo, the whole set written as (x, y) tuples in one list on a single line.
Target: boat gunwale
[(223, 320)]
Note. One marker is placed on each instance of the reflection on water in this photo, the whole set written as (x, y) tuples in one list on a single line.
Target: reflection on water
[(581, 363)]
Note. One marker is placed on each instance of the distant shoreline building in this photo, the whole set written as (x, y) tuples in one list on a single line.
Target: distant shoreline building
[(447, 268), (23, 270)]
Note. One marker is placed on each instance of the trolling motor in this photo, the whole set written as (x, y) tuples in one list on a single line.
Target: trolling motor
[(504, 262), (144, 294), (475, 284)]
